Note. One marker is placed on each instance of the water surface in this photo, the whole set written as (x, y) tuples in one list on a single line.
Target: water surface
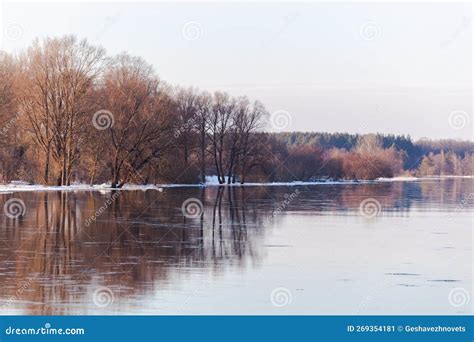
[(383, 248)]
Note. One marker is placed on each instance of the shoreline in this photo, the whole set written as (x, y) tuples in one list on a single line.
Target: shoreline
[(23, 187)]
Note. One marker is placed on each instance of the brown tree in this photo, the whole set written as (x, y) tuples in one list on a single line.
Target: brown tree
[(57, 79), (140, 129)]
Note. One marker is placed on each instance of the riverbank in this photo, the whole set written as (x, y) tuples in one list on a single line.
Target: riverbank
[(22, 186)]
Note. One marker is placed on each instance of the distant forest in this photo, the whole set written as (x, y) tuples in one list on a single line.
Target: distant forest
[(369, 156), (70, 113)]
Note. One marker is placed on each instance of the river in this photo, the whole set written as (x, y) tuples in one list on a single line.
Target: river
[(401, 247)]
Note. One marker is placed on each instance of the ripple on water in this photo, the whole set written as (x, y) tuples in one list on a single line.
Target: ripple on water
[(155, 260), (408, 285)]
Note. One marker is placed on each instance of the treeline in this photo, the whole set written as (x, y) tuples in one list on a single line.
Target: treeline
[(70, 113), (445, 164), (414, 150)]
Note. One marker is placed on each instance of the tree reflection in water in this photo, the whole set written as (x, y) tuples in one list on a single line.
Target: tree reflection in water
[(141, 243)]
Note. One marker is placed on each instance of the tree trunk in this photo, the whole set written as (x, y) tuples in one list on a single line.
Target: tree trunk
[(203, 156), (94, 170), (115, 179), (231, 166), (216, 161), (185, 149), (234, 172), (64, 171), (46, 168)]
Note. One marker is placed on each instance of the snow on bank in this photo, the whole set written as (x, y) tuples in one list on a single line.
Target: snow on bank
[(9, 188), (412, 179), (75, 187), (18, 186), (214, 181), (398, 179)]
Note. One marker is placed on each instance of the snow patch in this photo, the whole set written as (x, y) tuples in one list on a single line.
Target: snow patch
[(398, 179), (105, 188)]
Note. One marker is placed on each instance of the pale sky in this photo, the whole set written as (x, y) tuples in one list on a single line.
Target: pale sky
[(337, 67)]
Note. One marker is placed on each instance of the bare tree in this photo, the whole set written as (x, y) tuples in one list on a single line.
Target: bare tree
[(186, 111), (11, 151), (58, 77), (142, 112), (249, 122), (203, 110), (59, 89), (220, 123)]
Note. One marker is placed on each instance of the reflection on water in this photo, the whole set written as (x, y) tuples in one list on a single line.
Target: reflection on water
[(228, 257)]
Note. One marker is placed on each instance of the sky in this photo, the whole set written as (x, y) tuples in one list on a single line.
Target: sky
[(402, 68)]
